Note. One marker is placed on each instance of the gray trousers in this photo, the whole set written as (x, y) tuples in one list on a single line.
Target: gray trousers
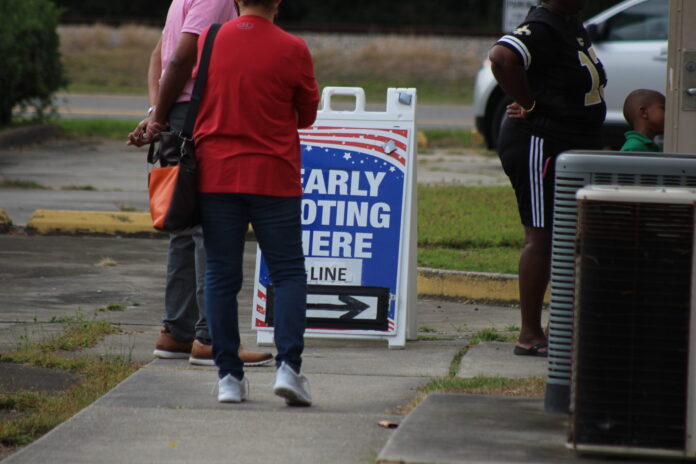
[(184, 307)]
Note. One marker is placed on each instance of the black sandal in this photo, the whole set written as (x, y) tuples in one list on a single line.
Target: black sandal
[(532, 350)]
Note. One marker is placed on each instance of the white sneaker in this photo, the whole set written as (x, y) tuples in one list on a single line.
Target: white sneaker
[(231, 390), (292, 386)]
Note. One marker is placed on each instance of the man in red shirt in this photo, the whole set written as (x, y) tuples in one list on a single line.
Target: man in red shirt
[(260, 90), (185, 331)]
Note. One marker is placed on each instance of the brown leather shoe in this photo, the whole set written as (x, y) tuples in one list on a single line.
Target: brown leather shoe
[(167, 347), (202, 355), (252, 358)]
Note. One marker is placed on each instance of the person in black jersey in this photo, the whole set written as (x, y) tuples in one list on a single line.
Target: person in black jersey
[(548, 67)]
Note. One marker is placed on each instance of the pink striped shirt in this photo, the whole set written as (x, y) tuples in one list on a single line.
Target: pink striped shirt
[(191, 16)]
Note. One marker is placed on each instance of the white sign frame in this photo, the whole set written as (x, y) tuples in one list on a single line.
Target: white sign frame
[(399, 116)]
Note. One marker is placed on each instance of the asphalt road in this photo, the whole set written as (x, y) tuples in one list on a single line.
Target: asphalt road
[(131, 106)]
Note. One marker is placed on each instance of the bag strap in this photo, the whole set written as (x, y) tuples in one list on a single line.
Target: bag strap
[(199, 84), (151, 157)]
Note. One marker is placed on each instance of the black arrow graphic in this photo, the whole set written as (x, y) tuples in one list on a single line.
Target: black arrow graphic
[(353, 306), (378, 299)]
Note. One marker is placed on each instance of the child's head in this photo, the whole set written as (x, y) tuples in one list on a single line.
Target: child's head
[(645, 112)]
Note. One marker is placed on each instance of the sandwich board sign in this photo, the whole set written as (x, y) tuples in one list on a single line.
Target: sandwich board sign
[(358, 223)]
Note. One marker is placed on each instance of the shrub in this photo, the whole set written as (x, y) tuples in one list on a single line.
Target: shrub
[(31, 70)]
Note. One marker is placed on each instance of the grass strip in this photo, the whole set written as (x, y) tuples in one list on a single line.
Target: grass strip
[(452, 138), (451, 216), (533, 387), (31, 414), (112, 129), (492, 259), (22, 184), (468, 228), (452, 93), (529, 387)]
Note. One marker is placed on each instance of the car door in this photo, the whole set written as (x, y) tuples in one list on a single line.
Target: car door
[(632, 45)]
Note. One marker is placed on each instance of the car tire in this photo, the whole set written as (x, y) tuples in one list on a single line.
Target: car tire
[(497, 118)]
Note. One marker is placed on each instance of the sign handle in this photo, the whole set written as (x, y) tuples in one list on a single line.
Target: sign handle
[(330, 92)]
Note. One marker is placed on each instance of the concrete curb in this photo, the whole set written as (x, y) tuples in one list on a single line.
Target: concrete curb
[(34, 133), (485, 286), (467, 284), (91, 223)]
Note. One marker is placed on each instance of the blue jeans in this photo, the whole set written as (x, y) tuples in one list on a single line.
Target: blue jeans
[(276, 222)]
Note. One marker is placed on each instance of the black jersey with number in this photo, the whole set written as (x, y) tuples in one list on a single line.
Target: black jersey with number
[(566, 77)]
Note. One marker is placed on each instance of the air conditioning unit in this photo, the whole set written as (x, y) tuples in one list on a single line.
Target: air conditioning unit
[(634, 376), (575, 170)]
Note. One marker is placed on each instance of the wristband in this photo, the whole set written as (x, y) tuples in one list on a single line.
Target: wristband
[(150, 110), (530, 109)]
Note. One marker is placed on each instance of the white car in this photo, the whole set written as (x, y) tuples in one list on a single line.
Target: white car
[(630, 39)]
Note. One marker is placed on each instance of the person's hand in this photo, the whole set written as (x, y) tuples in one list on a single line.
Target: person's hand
[(138, 137), (153, 130), (515, 111)]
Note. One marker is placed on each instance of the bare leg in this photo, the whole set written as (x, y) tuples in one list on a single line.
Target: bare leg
[(535, 269)]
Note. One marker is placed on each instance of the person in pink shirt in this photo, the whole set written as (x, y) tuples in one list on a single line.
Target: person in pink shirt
[(185, 331)]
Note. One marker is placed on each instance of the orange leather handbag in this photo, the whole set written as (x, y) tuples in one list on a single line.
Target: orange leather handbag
[(173, 186)]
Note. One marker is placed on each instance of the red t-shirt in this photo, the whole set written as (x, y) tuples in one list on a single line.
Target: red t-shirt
[(260, 90)]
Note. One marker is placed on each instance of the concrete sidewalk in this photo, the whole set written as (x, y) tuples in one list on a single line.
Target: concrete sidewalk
[(166, 412)]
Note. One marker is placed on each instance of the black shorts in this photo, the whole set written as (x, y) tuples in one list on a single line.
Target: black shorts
[(530, 161)]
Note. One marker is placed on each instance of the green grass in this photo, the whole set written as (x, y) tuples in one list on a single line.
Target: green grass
[(493, 259), (528, 387), (113, 307), (451, 138), (28, 415), (467, 217), (114, 129), (490, 335), (468, 228), (22, 184), (375, 89), (434, 338), (118, 71), (89, 188), (533, 386), (454, 93)]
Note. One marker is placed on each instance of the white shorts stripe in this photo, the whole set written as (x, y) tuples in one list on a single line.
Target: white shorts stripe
[(536, 180), (521, 48)]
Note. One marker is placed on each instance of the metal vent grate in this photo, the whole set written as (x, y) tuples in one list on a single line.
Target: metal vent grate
[(603, 178), (627, 179), (674, 181), (631, 344), (575, 170), (649, 179), (563, 278)]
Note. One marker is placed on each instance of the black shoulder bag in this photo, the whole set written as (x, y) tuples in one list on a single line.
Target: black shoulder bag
[(173, 186)]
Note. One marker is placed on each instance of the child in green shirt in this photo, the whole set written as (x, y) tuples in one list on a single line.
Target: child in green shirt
[(645, 112)]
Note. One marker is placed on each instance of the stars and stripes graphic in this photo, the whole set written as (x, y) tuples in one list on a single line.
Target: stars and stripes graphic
[(390, 145), (353, 170)]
